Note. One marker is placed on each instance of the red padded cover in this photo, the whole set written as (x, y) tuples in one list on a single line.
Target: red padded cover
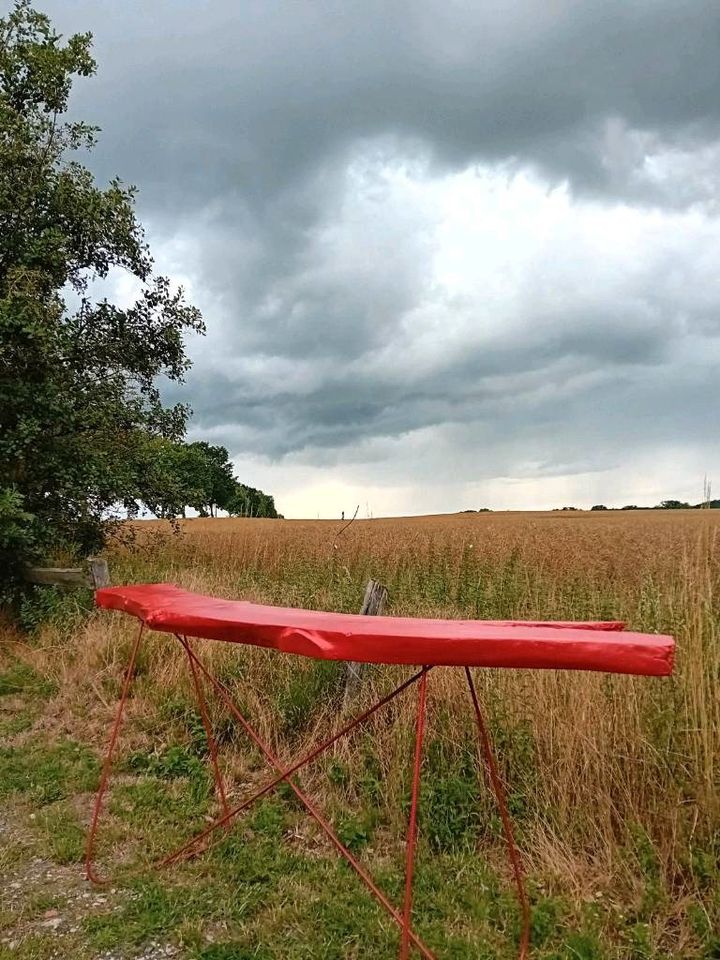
[(343, 636)]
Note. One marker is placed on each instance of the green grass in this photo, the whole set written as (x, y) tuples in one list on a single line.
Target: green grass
[(268, 891), (271, 888), (62, 833), (19, 677), (47, 772)]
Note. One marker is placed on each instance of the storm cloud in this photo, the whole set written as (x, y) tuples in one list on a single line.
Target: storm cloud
[(446, 252)]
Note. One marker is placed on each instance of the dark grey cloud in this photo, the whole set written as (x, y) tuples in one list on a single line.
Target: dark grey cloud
[(481, 226), (204, 99)]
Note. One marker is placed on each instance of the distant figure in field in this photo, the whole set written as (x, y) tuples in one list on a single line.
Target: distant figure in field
[(342, 515)]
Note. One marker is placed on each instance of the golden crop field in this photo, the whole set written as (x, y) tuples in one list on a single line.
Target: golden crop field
[(613, 780)]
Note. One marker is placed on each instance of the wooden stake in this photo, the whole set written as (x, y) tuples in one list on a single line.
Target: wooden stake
[(372, 606), (99, 572)]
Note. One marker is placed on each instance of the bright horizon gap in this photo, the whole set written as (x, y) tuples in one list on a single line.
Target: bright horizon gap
[(303, 492), (555, 508)]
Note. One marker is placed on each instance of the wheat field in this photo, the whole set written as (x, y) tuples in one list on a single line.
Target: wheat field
[(612, 780), (609, 754)]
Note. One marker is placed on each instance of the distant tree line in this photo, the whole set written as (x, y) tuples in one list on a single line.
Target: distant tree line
[(199, 476), (663, 505)]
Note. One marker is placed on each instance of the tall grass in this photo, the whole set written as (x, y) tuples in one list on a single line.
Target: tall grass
[(608, 775)]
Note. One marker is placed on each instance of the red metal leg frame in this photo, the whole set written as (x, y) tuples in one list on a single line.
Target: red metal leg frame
[(412, 828), (285, 775), (199, 843), (499, 792), (104, 776), (212, 745)]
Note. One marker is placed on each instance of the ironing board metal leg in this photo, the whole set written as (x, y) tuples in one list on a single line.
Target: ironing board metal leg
[(224, 693), (499, 791), (412, 826), (107, 762), (212, 744)]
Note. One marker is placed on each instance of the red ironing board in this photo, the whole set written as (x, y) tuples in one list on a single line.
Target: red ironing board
[(600, 646)]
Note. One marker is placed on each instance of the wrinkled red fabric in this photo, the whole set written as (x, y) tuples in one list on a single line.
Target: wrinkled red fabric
[(342, 636)]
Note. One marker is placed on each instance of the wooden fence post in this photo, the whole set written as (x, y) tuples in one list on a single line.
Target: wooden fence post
[(372, 606), (99, 572)]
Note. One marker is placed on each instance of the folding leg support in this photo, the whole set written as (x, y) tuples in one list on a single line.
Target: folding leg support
[(212, 745), (190, 848), (199, 843), (107, 763), (412, 828), (499, 792)]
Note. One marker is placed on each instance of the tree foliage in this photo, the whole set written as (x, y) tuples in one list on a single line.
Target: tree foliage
[(198, 475), (79, 405), (217, 477), (249, 502)]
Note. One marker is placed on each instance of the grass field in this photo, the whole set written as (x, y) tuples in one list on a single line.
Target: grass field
[(613, 781)]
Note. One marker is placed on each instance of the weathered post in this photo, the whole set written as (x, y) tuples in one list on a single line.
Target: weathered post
[(372, 606), (99, 572)]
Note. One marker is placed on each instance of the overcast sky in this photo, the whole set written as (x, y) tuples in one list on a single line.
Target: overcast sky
[(450, 254)]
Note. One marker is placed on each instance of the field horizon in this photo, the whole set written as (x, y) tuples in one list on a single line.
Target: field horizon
[(466, 513)]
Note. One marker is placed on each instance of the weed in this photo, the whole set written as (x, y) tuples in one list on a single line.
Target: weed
[(47, 772), (20, 677), (63, 834), (64, 610), (307, 686), (355, 832)]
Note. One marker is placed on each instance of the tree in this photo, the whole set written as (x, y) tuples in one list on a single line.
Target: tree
[(78, 400), (249, 502), (215, 478), (599, 506), (175, 478), (672, 505), (198, 475)]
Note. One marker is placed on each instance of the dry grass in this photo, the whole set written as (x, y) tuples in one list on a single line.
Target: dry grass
[(613, 779)]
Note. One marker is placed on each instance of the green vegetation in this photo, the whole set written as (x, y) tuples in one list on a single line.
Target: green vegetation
[(198, 475), (78, 399), (270, 889), (83, 429), (47, 772)]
